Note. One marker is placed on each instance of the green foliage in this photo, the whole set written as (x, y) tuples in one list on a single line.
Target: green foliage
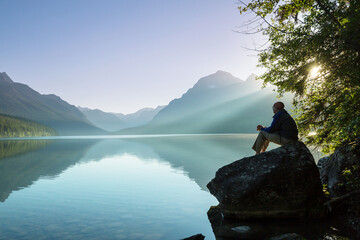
[(304, 34), (18, 127), (352, 177), (325, 190)]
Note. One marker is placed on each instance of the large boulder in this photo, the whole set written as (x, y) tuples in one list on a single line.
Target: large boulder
[(279, 184)]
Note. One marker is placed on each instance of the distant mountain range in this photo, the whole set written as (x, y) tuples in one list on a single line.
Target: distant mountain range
[(116, 121), (218, 103), (20, 100), (139, 118)]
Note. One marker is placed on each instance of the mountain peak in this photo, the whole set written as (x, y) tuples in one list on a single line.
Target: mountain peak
[(252, 82), (252, 77), (224, 74), (4, 78), (216, 80)]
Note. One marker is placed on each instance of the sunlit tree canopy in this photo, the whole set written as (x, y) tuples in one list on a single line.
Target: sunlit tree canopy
[(314, 52)]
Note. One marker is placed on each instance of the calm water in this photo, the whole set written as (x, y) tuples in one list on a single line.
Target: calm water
[(111, 187)]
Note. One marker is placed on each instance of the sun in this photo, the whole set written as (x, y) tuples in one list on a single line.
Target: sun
[(312, 133), (314, 72)]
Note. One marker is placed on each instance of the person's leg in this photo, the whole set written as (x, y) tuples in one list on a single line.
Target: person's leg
[(284, 141), (258, 144), (263, 139), (265, 145)]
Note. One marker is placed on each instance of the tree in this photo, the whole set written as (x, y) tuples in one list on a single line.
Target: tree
[(20, 127), (314, 52)]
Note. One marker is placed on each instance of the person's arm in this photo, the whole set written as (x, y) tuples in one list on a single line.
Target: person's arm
[(258, 127), (268, 129)]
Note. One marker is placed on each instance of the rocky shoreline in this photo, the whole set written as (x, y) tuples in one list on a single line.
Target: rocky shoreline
[(344, 213), (279, 195)]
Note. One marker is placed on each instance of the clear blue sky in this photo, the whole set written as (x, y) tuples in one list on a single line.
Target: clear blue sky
[(121, 55)]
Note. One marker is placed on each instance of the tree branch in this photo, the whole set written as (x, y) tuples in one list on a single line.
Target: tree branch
[(333, 18), (331, 203), (272, 26)]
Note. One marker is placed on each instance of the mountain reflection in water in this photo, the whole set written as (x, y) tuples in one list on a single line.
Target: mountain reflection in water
[(199, 156), (113, 188), (26, 161), (130, 188)]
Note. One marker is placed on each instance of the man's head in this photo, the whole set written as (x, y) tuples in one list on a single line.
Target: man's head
[(278, 106)]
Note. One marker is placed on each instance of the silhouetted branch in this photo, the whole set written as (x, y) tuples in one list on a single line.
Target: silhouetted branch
[(331, 203), (271, 25), (332, 17)]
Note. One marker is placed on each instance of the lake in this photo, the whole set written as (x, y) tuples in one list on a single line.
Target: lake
[(112, 187)]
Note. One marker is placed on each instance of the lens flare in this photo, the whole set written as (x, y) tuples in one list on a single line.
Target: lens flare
[(314, 72)]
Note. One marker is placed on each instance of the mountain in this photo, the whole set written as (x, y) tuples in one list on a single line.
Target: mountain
[(209, 91), (106, 121), (218, 103), (116, 121), (20, 100), (139, 118)]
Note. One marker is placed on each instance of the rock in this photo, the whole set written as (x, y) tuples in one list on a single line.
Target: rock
[(345, 213), (215, 215), (195, 237), (332, 167), (279, 184), (233, 229)]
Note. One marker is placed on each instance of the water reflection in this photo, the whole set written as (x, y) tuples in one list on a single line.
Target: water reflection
[(16, 147), (26, 161), (136, 188), (101, 189), (199, 156)]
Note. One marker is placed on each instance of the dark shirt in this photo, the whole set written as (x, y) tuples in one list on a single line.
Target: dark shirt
[(275, 118), (284, 125)]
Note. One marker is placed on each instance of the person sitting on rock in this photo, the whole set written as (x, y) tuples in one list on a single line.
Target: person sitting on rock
[(282, 130)]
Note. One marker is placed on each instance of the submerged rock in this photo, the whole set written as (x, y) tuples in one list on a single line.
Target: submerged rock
[(279, 184)]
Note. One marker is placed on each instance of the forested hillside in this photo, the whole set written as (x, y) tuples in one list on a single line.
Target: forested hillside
[(19, 127), (17, 99)]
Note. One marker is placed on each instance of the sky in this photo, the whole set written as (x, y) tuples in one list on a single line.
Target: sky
[(122, 55)]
